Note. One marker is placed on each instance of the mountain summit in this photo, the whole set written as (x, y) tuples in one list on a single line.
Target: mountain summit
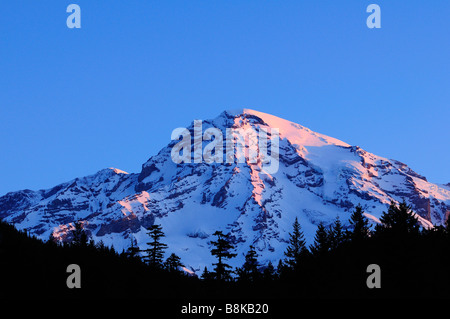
[(318, 178)]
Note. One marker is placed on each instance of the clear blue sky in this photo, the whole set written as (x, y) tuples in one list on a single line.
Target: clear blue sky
[(74, 101)]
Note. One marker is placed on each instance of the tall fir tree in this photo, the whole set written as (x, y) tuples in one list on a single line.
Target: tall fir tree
[(398, 221), (297, 246), (206, 275), (336, 234), (222, 249), (155, 252), (359, 226), (249, 270), (269, 272), (79, 236), (173, 263), (132, 251), (321, 243)]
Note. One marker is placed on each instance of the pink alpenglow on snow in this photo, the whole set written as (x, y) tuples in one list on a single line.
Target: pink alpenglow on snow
[(243, 143)]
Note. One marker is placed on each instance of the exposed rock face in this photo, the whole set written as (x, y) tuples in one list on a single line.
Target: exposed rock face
[(319, 178)]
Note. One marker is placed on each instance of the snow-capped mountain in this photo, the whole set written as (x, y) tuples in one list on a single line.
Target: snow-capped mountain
[(318, 178)]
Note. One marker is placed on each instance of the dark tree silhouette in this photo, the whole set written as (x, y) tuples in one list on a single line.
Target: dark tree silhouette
[(398, 221), (359, 226), (249, 270), (206, 275), (155, 252), (321, 243), (132, 251), (336, 234), (33, 268), (269, 272), (297, 246), (79, 236), (222, 249), (172, 263)]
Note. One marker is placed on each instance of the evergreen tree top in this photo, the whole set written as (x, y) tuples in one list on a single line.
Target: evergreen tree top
[(399, 220), (297, 245), (359, 225)]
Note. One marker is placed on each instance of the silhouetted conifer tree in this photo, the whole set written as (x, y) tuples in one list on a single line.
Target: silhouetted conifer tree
[(321, 243), (359, 224), (398, 221), (269, 272), (336, 234), (297, 246), (249, 270), (222, 249), (132, 251), (172, 263), (206, 275), (79, 236), (155, 252)]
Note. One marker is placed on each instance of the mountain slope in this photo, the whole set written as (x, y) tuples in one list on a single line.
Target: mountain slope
[(318, 179)]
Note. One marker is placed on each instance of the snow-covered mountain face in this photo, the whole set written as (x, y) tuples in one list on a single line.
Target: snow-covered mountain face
[(317, 179)]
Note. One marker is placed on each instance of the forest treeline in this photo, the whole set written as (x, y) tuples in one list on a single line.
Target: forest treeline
[(413, 262)]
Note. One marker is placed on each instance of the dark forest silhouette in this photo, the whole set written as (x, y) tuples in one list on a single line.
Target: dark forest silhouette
[(414, 262)]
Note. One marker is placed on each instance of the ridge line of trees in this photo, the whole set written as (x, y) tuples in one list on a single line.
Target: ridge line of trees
[(414, 262), (398, 223)]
